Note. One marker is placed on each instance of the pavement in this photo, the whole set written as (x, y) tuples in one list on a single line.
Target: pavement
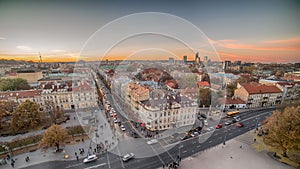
[(231, 156)]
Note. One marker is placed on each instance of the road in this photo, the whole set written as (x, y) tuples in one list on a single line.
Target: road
[(185, 148)]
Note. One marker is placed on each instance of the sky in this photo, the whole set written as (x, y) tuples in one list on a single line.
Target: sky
[(250, 31)]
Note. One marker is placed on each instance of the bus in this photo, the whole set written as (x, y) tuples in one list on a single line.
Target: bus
[(232, 113)]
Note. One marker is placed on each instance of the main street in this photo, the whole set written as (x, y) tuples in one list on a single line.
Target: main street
[(185, 148)]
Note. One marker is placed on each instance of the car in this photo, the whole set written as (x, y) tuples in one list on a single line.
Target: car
[(199, 128), (119, 123), (210, 129), (219, 126), (203, 116), (237, 118), (233, 121), (123, 127), (115, 120), (239, 124), (227, 123), (153, 141), (185, 137), (128, 157), (195, 134), (90, 159), (205, 123)]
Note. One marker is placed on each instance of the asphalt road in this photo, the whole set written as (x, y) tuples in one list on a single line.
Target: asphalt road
[(185, 148)]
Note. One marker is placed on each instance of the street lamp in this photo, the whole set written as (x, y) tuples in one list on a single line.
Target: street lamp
[(226, 131)]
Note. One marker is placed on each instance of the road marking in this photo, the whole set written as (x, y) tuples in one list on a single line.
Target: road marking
[(120, 157), (157, 155), (75, 165), (184, 151), (108, 160), (95, 166)]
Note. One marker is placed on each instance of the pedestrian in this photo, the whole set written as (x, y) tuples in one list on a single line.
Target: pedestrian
[(241, 146), (231, 157), (82, 140), (77, 158), (163, 166), (12, 164), (254, 140), (75, 154)]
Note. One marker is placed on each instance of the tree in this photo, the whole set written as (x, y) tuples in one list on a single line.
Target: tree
[(54, 112), (283, 129), (6, 109), (230, 90), (26, 116), (205, 96), (14, 84), (53, 136)]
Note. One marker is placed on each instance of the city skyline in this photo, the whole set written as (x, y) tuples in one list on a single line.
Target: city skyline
[(249, 31)]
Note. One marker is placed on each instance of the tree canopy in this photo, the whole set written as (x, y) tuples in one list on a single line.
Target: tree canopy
[(283, 129), (13, 84), (53, 136), (205, 96), (26, 116)]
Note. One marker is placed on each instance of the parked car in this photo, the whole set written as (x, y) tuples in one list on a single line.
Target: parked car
[(219, 126), (239, 124), (115, 120), (203, 116), (205, 123), (128, 157), (90, 159), (185, 137), (119, 123), (123, 128), (153, 141)]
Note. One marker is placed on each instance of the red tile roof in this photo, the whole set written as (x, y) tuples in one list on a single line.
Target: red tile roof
[(257, 88), (203, 84), (20, 94)]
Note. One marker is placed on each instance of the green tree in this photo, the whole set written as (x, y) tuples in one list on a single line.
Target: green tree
[(205, 96), (26, 116), (283, 129), (14, 84), (53, 136)]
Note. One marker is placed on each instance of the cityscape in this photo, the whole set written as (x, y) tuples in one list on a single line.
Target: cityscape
[(127, 87)]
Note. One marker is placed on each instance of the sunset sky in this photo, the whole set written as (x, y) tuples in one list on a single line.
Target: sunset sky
[(256, 30)]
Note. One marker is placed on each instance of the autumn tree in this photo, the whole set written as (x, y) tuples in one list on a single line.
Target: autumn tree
[(6, 109), (283, 129), (53, 136), (205, 96), (26, 116)]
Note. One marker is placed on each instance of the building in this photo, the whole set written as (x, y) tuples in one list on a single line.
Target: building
[(232, 103), (226, 64), (203, 84), (160, 109), (258, 95), (31, 76), (184, 59)]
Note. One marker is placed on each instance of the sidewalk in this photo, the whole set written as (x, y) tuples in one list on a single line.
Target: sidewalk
[(232, 156), (41, 156)]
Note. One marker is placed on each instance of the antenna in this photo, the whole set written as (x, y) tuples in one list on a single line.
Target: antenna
[(40, 56)]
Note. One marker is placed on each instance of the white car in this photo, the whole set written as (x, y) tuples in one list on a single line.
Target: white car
[(210, 129), (128, 157), (115, 120), (205, 123), (123, 127), (152, 141), (90, 159)]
